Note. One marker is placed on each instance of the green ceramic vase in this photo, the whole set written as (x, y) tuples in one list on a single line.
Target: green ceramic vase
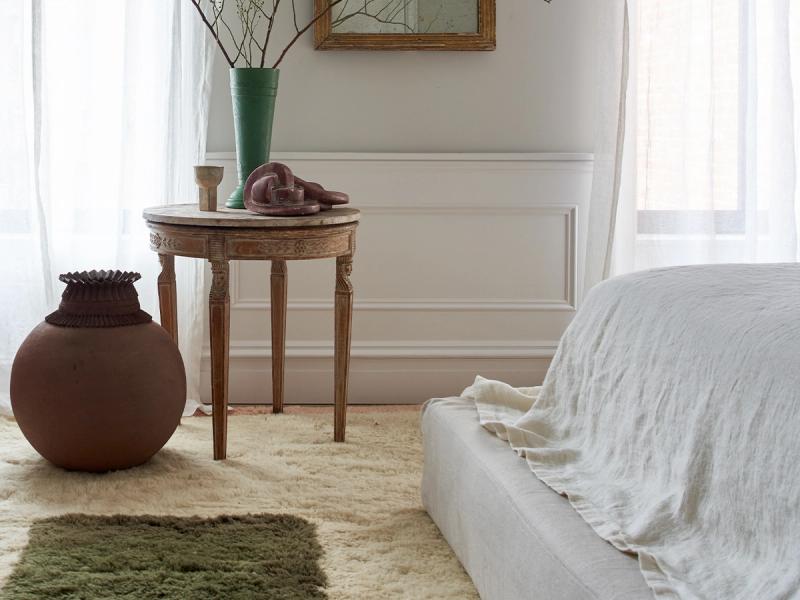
[(253, 93)]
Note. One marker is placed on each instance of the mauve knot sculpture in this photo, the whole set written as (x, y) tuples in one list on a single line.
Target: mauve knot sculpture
[(272, 189)]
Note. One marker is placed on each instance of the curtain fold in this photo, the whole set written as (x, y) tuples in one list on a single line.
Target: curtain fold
[(106, 112), (611, 83)]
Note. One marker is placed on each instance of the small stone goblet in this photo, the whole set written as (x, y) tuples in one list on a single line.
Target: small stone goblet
[(207, 179)]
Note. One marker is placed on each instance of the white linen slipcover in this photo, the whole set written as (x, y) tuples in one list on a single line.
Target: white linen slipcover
[(670, 417)]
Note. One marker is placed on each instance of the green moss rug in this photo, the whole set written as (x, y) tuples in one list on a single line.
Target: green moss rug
[(83, 557)]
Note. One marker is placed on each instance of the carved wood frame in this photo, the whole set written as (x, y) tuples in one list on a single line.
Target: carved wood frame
[(484, 39)]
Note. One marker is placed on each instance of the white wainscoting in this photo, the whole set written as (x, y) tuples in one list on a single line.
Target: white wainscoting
[(465, 264)]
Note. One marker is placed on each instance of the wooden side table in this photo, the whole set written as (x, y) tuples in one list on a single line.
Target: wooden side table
[(224, 235)]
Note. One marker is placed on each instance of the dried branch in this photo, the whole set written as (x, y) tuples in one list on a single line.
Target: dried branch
[(335, 22), (217, 14), (211, 29), (275, 4), (240, 46), (344, 7), (304, 29), (373, 17), (244, 21), (252, 14), (294, 17)]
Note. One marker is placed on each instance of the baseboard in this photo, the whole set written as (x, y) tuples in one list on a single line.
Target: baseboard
[(373, 380), (398, 350)]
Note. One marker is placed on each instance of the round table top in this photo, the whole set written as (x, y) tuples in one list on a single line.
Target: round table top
[(190, 214)]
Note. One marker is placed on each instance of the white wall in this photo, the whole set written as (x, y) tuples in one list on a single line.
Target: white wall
[(531, 94), (465, 262)]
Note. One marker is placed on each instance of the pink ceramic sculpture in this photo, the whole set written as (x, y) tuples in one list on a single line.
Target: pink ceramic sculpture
[(326, 198), (272, 189)]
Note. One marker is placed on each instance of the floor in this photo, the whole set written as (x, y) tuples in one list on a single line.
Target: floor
[(363, 495)]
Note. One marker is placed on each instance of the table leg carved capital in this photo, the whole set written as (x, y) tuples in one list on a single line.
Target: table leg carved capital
[(225, 235), (167, 295)]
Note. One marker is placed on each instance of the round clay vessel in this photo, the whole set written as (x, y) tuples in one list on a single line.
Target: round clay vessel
[(98, 386)]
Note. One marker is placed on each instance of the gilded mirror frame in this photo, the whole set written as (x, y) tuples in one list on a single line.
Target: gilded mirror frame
[(484, 39)]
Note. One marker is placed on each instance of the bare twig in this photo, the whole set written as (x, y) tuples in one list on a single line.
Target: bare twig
[(303, 30), (271, 19), (217, 14), (375, 16), (211, 29), (218, 17), (275, 4), (251, 29), (294, 17), (401, 8), (344, 7), (252, 13), (244, 22)]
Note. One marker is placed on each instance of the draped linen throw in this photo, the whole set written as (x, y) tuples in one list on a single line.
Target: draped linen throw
[(670, 418)]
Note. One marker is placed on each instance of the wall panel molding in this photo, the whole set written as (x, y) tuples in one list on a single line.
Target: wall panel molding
[(399, 349), (465, 264), (566, 303), (537, 158)]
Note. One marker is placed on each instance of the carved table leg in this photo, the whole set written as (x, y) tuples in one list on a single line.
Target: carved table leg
[(167, 295), (343, 316), (278, 304), (219, 314)]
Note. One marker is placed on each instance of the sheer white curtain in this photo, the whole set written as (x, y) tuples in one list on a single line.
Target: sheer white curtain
[(711, 153), (611, 85), (103, 112)]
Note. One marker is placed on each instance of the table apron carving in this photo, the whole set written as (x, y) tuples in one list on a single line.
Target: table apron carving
[(246, 244), (297, 249), (167, 240)]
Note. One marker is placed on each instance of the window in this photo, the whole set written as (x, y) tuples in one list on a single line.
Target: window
[(689, 120)]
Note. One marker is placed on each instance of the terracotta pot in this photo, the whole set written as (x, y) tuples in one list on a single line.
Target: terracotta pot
[(98, 386)]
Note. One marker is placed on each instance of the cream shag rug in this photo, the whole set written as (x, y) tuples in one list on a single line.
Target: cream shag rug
[(363, 494)]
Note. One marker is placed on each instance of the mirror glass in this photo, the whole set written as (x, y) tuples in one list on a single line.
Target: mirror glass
[(405, 16)]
